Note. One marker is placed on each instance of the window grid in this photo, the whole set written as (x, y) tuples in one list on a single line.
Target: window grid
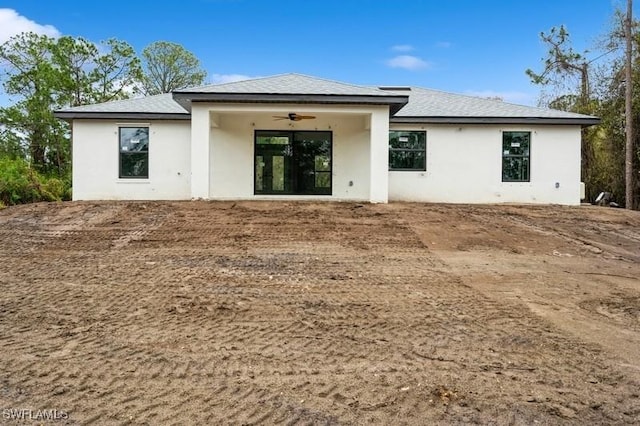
[(133, 148), (516, 156), (407, 150)]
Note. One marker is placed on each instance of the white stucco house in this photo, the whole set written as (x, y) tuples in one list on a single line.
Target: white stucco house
[(298, 137)]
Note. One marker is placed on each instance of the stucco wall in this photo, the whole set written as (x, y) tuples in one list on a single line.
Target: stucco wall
[(96, 161), (231, 147), (464, 165)]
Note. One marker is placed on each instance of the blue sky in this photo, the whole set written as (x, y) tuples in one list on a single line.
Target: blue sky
[(479, 47)]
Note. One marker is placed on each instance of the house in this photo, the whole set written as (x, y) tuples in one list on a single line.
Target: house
[(293, 136)]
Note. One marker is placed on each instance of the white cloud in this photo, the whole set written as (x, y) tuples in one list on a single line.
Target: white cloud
[(12, 23), (402, 48), (227, 78), (512, 96), (408, 62)]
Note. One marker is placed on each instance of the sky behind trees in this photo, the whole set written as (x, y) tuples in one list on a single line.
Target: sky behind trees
[(479, 47)]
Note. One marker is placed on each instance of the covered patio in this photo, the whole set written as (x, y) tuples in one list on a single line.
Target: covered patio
[(249, 150)]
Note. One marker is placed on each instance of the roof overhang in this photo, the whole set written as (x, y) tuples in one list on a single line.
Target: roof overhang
[(586, 121), (72, 115), (395, 103)]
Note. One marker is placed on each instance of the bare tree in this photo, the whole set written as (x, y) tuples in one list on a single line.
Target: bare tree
[(562, 61)]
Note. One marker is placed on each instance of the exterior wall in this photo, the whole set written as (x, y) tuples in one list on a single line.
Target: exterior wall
[(231, 147), (464, 165), (464, 162), (96, 162), (379, 157), (200, 153)]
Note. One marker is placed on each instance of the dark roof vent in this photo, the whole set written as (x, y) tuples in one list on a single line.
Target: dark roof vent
[(394, 88)]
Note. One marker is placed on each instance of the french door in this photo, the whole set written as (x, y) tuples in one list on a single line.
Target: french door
[(296, 163)]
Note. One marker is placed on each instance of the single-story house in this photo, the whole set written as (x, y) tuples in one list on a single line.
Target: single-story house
[(293, 136)]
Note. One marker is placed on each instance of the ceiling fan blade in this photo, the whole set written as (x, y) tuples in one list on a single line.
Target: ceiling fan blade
[(294, 117)]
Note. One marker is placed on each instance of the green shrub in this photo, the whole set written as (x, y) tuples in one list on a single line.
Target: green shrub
[(53, 189), (20, 184)]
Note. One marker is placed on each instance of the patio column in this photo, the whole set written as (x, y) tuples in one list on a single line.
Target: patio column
[(199, 152), (379, 156)]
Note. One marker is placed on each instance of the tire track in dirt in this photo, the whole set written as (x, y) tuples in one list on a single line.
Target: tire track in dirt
[(296, 313)]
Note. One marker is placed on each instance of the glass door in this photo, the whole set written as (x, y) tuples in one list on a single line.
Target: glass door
[(273, 158), (293, 162)]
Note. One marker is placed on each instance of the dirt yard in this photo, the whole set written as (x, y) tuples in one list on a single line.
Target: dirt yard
[(320, 313)]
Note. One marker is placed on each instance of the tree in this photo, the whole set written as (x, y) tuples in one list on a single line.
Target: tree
[(169, 66), (89, 76), (45, 74), (562, 67), (561, 62), (116, 72), (32, 77), (601, 91)]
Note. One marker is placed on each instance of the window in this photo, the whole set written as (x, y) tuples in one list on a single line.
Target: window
[(515, 156), (407, 150), (134, 152), (293, 162)]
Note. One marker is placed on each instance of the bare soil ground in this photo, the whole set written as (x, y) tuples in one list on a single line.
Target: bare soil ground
[(320, 313)]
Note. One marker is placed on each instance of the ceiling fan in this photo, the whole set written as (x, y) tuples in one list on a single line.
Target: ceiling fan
[(294, 117)]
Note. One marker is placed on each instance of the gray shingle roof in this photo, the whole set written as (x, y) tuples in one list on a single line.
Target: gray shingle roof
[(424, 105), (289, 84), (158, 104), (291, 88), (431, 104)]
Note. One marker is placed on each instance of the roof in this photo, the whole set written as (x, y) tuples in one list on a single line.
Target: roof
[(434, 106), (407, 104), (289, 84), (291, 88), (158, 106)]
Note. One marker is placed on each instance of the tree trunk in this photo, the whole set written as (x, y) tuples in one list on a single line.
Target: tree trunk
[(584, 88), (37, 152), (628, 164)]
